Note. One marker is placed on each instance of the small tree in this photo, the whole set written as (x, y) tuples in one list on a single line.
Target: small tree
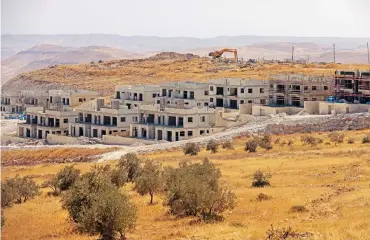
[(336, 137), (63, 180), (251, 145), (191, 149), (97, 206), (261, 179), (131, 163), (228, 144), (366, 139), (18, 190), (119, 177), (212, 146), (150, 180)]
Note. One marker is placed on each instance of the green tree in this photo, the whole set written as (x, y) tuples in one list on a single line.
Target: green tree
[(131, 163), (195, 189), (191, 149), (97, 206), (150, 180), (18, 190), (64, 179), (212, 146)]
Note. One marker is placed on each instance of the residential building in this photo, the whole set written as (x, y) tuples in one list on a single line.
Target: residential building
[(231, 92), (17, 102), (352, 86), (294, 90), (96, 119), (135, 95), (71, 98)]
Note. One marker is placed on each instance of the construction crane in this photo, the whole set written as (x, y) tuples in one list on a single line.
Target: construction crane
[(218, 54)]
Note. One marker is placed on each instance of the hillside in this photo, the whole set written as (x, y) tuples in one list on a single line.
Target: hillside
[(42, 56), (320, 191), (105, 76)]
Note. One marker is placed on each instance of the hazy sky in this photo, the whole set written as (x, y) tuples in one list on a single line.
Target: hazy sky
[(190, 18)]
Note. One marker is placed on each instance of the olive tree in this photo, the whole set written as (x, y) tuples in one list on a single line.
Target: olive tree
[(131, 164)]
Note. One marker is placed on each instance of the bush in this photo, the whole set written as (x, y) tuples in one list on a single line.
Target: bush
[(281, 233), (310, 140), (63, 180), (261, 179), (277, 141), (195, 190), (251, 145), (131, 163), (366, 139), (97, 206), (351, 141), (191, 149), (228, 144), (18, 190), (290, 142), (298, 208), (336, 137), (263, 197), (119, 177), (150, 180), (212, 146), (265, 145)]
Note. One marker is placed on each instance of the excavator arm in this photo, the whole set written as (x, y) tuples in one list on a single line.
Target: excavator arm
[(218, 54)]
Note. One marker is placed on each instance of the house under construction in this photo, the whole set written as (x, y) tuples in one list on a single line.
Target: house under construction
[(352, 86)]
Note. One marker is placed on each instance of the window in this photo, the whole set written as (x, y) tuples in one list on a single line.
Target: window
[(65, 120), (199, 104), (190, 119), (168, 102), (250, 90), (326, 88), (314, 88), (263, 101), (211, 88), (249, 101), (191, 95), (187, 103), (211, 99), (241, 101), (202, 118), (305, 99), (206, 104), (134, 119), (80, 100), (158, 101), (242, 90), (206, 93), (84, 99), (154, 95), (314, 99), (123, 119), (305, 88), (190, 133), (262, 90), (182, 133)]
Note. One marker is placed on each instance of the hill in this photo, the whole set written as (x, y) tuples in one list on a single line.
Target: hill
[(46, 55), (105, 76)]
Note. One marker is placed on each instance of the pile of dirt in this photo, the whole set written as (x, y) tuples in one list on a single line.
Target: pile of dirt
[(173, 56)]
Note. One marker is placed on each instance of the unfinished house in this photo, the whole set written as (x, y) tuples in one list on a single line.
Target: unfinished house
[(352, 86), (95, 119), (158, 122), (294, 90), (184, 95), (229, 93), (41, 121), (134, 95), (71, 98), (17, 102)]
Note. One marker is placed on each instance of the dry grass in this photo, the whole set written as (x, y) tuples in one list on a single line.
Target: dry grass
[(56, 155), (105, 76), (330, 181)]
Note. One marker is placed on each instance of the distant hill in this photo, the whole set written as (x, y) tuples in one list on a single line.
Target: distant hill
[(47, 55)]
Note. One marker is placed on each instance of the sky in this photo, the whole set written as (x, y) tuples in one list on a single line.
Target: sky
[(188, 18)]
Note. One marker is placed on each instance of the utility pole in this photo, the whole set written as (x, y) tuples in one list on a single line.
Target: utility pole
[(334, 52), (368, 53), (308, 58), (292, 53)]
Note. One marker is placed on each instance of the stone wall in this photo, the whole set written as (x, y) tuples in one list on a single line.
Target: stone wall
[(335, 123)]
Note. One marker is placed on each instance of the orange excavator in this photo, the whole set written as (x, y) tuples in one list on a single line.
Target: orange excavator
[(218, 54)]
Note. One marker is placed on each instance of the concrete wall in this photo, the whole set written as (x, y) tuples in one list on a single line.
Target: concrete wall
[(117, 140), (60, 140), (245, 108), (258, 110), (325, 108), (312, 107)]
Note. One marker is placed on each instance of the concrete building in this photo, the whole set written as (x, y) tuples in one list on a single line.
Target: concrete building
[(135, 95), (294, 90), (41, 121), (95, 119), (230, 93), (352, 86), (17, 102), (71, 98), (173, 124)]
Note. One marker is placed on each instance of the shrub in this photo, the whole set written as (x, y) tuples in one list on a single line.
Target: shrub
[(150, 180), (298, 208), (18, 190), (228, 144), (263, 197), (251, 145), (366, 139), (212, 146), (195, 190), (191, 149), (119, 177), (336, 137), (2, 219), (97, 206), (280, 233), (261, 179), (307, 139), (131, 163), (277, 141), (290, 142), (265, 145), (63, 180), (351, 141)]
